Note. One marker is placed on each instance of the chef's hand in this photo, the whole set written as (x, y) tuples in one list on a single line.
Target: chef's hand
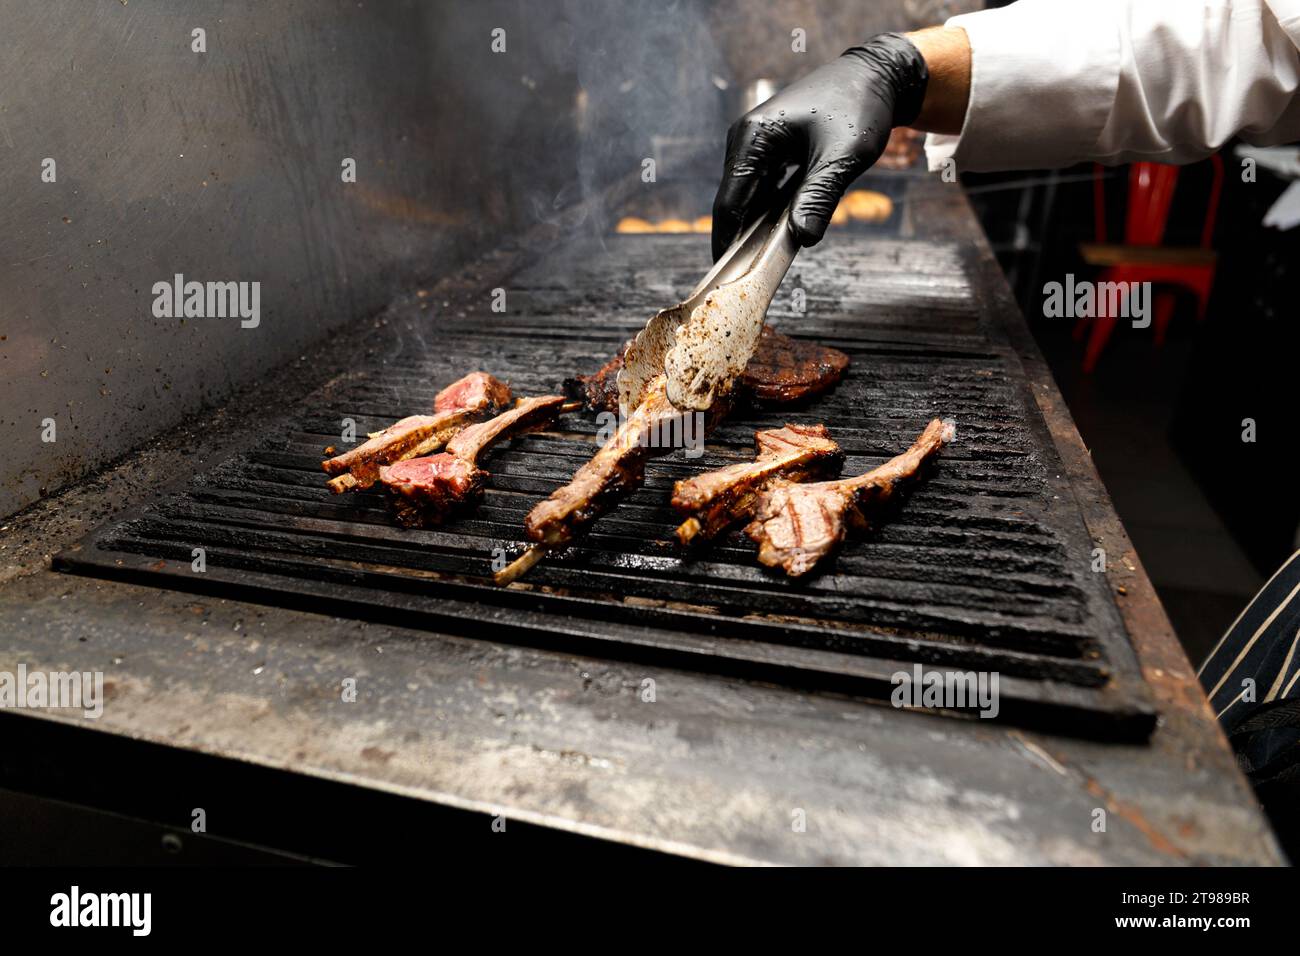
[(834, 123)]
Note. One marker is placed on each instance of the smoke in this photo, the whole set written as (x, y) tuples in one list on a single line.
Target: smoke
[(534, 134), (640, 73), (644, 70)]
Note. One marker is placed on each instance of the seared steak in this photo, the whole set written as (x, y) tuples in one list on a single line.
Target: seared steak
[(782, 371), (796, 525), (424, 491), (785, 371), (467, 400), (714, 500)]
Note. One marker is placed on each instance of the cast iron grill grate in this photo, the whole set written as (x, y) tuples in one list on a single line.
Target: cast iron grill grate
[(986, 567)]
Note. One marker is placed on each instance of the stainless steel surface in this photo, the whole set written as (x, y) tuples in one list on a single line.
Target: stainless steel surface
[(754, 94), (222, 165)]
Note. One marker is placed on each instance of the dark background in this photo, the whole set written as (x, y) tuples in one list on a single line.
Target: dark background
[(1212, 516)]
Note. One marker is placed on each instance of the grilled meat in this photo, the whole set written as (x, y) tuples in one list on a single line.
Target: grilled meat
[(475, 390), (716, 499), (785, 371), (598, 391), (616, 470), (467, 400), (795, 526), (413, 435), (424, 491), (782, 371)]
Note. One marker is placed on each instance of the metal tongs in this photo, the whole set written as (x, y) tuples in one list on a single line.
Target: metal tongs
[(704, 343)]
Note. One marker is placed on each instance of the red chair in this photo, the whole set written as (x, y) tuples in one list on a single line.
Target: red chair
[(1142, 257)]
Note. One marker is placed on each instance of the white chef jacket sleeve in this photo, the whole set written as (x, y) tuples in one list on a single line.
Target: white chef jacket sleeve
[(1056, 82)]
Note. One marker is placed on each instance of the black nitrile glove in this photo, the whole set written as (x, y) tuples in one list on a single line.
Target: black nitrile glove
[(834, 123)]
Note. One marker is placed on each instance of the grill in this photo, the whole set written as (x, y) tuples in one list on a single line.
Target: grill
[(986, 567)]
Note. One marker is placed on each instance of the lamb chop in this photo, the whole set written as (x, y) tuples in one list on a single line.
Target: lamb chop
[(598, 391), (617, 470), (795, 526), (782, 371), (471, 398), (425, 491), (716, 499), (688, 356)]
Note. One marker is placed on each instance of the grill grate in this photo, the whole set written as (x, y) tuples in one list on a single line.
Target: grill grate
[(986, 566)]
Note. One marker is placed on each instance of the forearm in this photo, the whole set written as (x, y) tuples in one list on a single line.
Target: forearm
[(947, 56), (1048, 84)]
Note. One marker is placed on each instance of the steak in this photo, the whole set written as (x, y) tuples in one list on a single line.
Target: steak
[(782, 371), (796, 526), (786, 371), (714, 500), (425, 491), (460, 403)]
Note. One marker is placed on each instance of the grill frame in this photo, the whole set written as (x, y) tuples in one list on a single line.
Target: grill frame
[(1117, 704)]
